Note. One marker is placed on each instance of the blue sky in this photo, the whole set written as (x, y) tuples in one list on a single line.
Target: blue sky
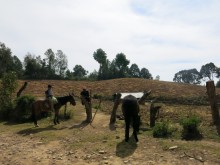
[(164, 36)]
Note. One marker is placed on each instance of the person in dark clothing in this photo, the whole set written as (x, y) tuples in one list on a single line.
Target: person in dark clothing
[(85, 94)]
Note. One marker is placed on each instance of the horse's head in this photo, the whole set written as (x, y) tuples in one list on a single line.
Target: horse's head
[(72, 100)]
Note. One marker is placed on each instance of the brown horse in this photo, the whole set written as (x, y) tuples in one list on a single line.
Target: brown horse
[(44, 106)]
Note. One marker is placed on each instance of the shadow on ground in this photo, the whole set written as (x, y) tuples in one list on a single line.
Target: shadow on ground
[(81, 125), (125, 149), (35, 130)]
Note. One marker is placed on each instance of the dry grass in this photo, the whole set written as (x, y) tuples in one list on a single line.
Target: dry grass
[(109, 87)]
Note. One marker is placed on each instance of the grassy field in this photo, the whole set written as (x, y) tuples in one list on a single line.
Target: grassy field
[(72, 142)]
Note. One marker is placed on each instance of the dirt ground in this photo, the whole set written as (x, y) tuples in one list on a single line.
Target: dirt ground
[(71, 142)]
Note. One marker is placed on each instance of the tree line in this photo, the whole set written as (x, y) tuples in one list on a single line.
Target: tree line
[(54, 65)]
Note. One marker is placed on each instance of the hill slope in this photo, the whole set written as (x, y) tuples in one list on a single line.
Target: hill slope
[(109, 87)]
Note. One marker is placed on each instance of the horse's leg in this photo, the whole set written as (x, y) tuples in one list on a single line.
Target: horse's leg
[(135, 127), (57, 116), (127, 126)]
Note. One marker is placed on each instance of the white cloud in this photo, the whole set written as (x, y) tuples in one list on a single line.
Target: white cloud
[(165, 36)]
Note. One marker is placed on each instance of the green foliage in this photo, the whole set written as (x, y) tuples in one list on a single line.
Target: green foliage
[(209, 71), (7, 88), (190, 128), (22, 110), (191, 76), (162, 129), (218, 84)]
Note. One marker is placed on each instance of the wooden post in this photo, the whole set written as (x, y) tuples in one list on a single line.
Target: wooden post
[(21, 89), (115, 107), (210, 86), (154, 111), (143, 98)]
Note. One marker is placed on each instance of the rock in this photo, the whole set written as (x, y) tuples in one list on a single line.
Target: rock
[(105, 162), (101, 151), (173, 147)]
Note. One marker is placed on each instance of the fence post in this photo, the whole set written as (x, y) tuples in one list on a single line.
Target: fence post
[(115, 107), (210, 86)]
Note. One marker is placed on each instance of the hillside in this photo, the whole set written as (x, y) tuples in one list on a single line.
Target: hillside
[(108, 87)]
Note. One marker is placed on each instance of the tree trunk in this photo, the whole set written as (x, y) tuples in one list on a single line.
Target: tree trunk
[(213, 101), (21, 89)]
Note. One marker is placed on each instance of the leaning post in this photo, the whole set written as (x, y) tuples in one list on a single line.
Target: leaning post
[(115, 107), (210, 86)]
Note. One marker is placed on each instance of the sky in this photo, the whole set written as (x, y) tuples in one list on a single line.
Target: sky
[(164, 36)]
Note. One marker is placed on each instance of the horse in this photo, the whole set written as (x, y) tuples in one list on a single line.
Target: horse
[(44, 105), (130, 109)]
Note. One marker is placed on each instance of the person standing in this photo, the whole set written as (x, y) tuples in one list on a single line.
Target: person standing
[(86, 100)]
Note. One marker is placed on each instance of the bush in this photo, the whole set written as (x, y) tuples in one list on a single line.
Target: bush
[(22, 110), (190, 128), (162, 129), (7, 88)]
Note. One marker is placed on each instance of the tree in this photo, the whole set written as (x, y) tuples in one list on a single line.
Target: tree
[(93, 75), (79, 71), (61, 63), (157, 77), (144, 73), (101, 58), (17, 66), (191, 76), (6, 61), (209, 71), (121, 64), (134, 70), (32, 67), (50, 62)]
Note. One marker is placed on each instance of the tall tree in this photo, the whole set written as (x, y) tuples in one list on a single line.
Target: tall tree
[(101, 57), (61, 63), (50, 62), (209, 71), (190, 76)]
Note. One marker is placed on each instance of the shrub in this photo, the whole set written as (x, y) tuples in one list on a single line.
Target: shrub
[(162, 129), (7, 88), (190, 128), (22, 110)]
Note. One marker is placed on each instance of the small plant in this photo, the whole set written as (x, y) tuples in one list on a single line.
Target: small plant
[(190, 128), (162, 129)]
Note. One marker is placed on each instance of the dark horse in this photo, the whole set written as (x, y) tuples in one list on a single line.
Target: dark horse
[(130, 109), (44, 106)]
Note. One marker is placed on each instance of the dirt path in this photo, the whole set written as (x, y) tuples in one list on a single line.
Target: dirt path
[(103, 147)]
